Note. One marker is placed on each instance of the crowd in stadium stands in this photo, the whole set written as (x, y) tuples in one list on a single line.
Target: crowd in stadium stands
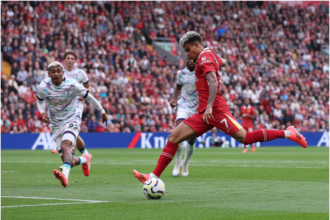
[(273, 52)]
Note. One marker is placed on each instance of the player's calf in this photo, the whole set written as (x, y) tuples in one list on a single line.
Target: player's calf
[(263, 135), (240, 135), (66, 150), (66, 157)]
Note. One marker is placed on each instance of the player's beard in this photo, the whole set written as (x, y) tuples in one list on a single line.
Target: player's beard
[(190, 68)]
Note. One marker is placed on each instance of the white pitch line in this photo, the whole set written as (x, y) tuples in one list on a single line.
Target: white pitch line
[(16, 206), (229, 165), (5, 171), (76, 200)]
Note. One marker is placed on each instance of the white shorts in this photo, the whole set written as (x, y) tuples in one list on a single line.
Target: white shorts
[(183, 114), (68, 131), (79, 108)]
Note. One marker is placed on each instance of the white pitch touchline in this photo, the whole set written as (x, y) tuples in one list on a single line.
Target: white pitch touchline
[(10, 171), (287, 167), (259, 161), (76, 200), (16, 206)]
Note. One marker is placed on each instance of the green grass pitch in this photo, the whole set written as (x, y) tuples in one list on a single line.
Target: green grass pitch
[(272, 183)]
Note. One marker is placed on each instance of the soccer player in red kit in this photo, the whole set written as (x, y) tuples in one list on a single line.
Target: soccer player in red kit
[(247, 113), (212, 111)]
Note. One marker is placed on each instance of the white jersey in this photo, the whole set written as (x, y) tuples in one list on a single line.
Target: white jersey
[(77, 74), (61, 100), (189, 96), (81, 77)]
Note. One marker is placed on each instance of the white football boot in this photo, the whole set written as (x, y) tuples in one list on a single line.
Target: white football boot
[(185, 170), (176, 170)]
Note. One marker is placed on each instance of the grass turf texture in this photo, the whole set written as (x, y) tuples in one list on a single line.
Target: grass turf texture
[(272, 183)]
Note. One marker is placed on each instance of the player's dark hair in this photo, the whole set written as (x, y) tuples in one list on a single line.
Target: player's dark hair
[(70, 53)]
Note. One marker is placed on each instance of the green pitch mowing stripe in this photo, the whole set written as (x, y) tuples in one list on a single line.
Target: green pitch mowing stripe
[(272, 183)]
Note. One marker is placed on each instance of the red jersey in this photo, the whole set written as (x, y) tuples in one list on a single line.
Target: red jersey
[(207, 62), (249, 110)]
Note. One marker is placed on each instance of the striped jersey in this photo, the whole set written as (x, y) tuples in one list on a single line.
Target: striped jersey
[(79, 75), (61, 100), (189, 96)]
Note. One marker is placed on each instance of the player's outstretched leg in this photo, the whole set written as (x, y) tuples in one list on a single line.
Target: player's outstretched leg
[(263, 135), (180, 133), (69, 161), (76, 160), (66, 156), (189, 152), (177, 166)]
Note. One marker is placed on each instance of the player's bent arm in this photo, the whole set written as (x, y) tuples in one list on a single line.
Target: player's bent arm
[(177, 92), (88, 86), (40, 99), (213, 86), (41, 106), (91, 99), (42, 110)]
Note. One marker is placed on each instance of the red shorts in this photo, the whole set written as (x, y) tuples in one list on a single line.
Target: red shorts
[(222, 120)]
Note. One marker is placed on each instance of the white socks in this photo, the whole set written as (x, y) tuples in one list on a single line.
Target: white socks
[(189, 151), (287, 133), (66, 167), (153, 176), (66, 172), (82, 160), (179, 153)]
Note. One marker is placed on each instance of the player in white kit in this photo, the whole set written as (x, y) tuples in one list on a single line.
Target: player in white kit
[(187, 105), (81, 77), (60, 95)]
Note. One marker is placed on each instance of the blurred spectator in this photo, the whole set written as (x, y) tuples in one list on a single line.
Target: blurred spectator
[(22, 75), (100, 128), (14, 69), (30, 79), (92, 124), (13, 84), (23, 89)]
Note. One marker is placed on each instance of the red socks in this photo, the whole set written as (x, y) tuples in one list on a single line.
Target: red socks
[(165, 158), (263, 135)]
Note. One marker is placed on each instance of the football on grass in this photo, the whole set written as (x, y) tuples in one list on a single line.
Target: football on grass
[(154, 188)]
